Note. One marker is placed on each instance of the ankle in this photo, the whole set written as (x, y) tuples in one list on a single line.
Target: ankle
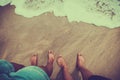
[(65, 67), (50, 62), (81, 68)]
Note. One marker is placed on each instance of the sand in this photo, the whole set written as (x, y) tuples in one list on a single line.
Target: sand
[(21, 37)]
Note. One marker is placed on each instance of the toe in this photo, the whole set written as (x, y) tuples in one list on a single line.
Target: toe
[(50, 51)]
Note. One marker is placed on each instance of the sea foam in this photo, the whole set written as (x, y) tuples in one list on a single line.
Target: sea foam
[(98, 12)]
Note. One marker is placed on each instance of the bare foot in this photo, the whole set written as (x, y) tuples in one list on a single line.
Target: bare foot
[(80, 61), (34, 60), (61, 62), (51, 56)]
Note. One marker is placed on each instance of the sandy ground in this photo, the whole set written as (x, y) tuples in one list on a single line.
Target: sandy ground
[(21, 37)]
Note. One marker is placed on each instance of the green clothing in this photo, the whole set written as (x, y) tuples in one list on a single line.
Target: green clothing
[(26, 73), (30, 73), (6, 67)]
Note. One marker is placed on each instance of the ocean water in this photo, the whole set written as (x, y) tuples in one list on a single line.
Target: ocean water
[(98, 12)]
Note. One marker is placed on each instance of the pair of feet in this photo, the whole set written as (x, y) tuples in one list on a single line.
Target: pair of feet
[(60, 60), (79, 61)]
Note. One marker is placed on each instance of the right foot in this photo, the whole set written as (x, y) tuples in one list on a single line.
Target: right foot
[(34, 60), (51, 57), (80, 61), (61, 62)]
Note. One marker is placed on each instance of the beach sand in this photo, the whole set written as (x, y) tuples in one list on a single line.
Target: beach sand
[(22, 37)]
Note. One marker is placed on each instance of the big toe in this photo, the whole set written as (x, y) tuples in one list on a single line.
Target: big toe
[(34, 59), (80, 60), (61, 62), (51, 56)]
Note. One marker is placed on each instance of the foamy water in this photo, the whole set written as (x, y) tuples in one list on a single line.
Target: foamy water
[(98, 12)]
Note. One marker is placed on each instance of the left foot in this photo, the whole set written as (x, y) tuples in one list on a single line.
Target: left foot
[(61, 62), (51, 57), (34, 60), (80, 61)]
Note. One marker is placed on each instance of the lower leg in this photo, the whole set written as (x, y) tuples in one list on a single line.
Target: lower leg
[(17, 66), (86, 74), (64, 68), (66, 74), (80, 65), (49, 67)]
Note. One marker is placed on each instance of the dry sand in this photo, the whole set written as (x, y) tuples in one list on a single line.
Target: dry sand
[(21, 37)]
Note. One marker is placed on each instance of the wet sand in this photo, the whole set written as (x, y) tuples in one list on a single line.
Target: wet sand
[(21, 37)]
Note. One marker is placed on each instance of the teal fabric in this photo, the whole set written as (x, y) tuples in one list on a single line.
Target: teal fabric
[(27, 73), (30, 73), (5, 68), (5, 77)]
